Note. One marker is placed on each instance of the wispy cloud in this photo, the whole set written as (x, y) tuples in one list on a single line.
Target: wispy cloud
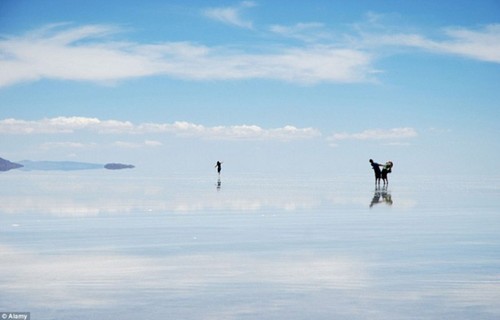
[(66, 145), (481, 44), (90, 53), (135, 145), (67, 125), (64, 125), (394, 134), (231, 15), (86, 53), (82, 53), (308, 32)]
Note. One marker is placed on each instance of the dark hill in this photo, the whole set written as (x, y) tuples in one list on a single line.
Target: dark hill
[(118, 166), (6, 165)]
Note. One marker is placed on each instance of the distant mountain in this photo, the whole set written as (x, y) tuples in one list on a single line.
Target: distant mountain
[(6, 165), (59, 165), (28, 165), (118, 166)]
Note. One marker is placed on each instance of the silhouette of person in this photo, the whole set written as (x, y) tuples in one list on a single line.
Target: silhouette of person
[(218, 165), (376, 169), (385, 170)]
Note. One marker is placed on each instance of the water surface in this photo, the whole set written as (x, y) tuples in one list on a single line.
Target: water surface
[(127, 245)]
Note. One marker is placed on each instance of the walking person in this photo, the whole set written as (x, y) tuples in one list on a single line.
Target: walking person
[(218, 165)]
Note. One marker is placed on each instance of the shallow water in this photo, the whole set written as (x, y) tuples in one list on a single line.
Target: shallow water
[(127, 245)]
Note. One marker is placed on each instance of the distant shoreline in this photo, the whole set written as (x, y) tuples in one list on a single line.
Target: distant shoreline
[(28, 165)]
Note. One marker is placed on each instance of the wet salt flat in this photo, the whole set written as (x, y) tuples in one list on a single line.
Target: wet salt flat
[(127, 245)]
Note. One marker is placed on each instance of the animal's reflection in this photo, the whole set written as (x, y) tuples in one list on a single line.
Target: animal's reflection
[(381, 195)]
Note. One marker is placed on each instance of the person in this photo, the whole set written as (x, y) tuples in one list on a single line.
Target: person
[(376, 169), (218, 165), (385, 170)]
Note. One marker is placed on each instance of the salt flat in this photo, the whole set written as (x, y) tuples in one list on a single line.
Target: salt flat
[(136, 246)]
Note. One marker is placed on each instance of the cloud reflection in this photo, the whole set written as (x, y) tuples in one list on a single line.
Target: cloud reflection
[(275, 281), (96, 280), (84, 195)]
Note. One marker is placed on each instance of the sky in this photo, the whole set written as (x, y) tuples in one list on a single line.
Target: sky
[(265, 86)]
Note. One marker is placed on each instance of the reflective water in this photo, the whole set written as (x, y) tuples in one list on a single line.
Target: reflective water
[(126, 245)]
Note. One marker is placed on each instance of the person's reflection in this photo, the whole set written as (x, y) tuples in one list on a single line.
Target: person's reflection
[(381, 195), (219, 184)]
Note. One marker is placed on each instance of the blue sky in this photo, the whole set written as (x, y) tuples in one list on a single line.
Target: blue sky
[(316, 86)]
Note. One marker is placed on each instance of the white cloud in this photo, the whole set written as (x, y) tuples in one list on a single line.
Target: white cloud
[(301, 64), (309, 31), (231, 15), (397, 144), (67, 125), (376, 134), (481, 44), (89, 53), (127, 145), (134, 145), (86, 53), (152, 143), (63, 125), (66, 144), (243, 132), (70, 54)]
